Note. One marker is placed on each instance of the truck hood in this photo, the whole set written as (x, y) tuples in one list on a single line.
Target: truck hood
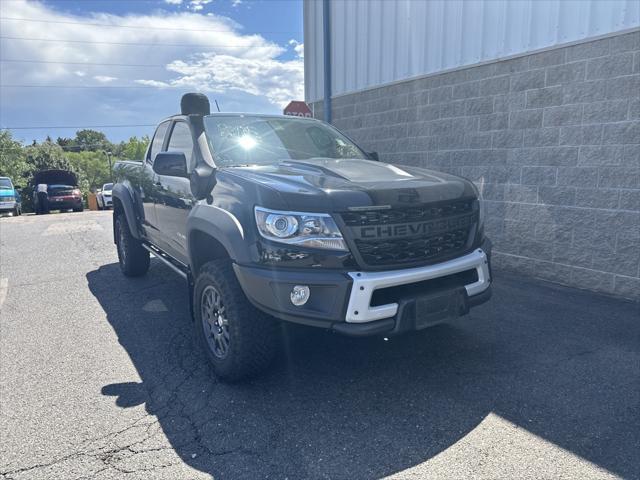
[(339, 184)]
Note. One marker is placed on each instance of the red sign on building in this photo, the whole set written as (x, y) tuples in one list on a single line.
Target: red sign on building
[(298, 109)]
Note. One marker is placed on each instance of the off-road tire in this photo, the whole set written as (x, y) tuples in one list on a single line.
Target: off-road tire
[(252, 333), (133, 257)]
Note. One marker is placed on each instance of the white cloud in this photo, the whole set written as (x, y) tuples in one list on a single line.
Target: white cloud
[(236, 3), (279, 81), (212, 53), (197, 5), (152, 83), (104, 78), (297, 47)]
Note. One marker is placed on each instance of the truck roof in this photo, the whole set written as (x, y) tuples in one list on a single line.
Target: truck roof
[(247, 114), (239, 114)]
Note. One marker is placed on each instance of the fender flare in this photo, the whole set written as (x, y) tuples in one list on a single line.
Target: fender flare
[(123, 194), (221, 225)]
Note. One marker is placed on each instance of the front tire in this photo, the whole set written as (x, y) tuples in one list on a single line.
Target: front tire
[(238, 339), (133, 257)]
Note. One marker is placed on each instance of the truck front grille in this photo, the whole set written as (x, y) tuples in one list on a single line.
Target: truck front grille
[(415, 250), (406, 215), (411, 236)]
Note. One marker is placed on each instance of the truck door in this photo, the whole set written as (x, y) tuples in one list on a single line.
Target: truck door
[(173, 195), (148, 187)]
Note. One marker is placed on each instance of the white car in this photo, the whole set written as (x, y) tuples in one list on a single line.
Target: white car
[(104, 198)]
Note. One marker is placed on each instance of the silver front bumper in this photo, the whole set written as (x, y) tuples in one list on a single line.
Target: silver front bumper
[(360, 310)]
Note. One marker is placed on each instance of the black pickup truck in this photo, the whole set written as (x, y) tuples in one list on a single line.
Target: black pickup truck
[(279, 218)]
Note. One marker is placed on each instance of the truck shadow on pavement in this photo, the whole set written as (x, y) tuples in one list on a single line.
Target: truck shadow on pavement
[(559, 363)]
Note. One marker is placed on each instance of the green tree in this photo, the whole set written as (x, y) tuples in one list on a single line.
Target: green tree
[(92, 169), (91, 140), (67, 144), (46, 156), (134, 148), (13, 161)]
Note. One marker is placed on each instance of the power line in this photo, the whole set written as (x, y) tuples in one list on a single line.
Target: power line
[(135, 44), (91, 86), (45, 127), (84, 63), (66, 22)]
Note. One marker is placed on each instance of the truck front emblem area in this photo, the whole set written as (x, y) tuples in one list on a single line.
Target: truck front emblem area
[(413, 229)]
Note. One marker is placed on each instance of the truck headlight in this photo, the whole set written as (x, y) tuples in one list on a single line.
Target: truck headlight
[(315, 230)]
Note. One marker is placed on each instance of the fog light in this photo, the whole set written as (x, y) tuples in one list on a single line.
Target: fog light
[(300, 295)]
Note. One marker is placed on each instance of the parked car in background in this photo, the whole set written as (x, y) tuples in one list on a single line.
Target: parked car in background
[(103, 197), (62, 192), (10, 200)]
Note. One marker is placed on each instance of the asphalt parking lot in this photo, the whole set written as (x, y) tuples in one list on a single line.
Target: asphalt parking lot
[(99, 379)]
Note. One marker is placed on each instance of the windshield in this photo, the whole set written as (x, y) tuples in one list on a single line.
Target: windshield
[(5, 184), (107, 186), (258, 140)]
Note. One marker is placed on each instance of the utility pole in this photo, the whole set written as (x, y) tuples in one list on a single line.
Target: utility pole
[(326, 34), (110, 167)]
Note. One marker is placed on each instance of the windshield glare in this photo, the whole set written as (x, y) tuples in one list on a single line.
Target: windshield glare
[(5, 184), (107, 186), (257, 140)]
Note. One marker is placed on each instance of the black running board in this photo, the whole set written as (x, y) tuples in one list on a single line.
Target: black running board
[(170, 262)]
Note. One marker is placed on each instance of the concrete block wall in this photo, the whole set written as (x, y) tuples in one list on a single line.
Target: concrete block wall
[(553, 141)]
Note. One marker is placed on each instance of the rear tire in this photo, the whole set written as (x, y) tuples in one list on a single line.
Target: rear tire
[(133, 257), (238, 339), (79, 209)]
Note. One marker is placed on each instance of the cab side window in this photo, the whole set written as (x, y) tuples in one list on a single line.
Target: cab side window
[(181, 141), (158, 141)]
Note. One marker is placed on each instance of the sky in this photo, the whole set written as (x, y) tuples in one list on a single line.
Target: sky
[(126, 63)]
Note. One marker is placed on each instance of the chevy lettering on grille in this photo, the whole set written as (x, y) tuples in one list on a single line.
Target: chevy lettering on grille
[(416, 229)]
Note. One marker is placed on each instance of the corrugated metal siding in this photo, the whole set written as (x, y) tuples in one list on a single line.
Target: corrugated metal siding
[(380, 41)]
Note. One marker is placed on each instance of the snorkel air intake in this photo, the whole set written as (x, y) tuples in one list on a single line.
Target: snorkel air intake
[(195, 104), (202, 178)]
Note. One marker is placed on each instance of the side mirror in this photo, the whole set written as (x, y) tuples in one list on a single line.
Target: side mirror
[(373, 156), (172, 164), (203, 179)]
